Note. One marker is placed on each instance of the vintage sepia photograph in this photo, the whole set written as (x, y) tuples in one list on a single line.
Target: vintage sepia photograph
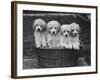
[(53, 39)]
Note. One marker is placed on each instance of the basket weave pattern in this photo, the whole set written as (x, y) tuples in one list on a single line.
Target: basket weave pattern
[(56, 57)]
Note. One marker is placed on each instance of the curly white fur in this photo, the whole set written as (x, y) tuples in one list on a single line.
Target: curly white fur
[(65, 40), (53, 35), (40, 34), (75, 36)]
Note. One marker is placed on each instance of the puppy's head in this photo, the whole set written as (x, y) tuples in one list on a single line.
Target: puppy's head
[(39, 25), (75, 29), (53, 27), (66, 30)]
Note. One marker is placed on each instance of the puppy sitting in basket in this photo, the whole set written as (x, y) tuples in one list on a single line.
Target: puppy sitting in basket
[(39, 26), (65, 38), (76, 43), (53, 35)]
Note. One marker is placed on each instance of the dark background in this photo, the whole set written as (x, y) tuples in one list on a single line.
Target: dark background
[(30, 60)]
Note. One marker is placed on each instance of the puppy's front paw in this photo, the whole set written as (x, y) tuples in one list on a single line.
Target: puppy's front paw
[(66, 46), (38, 46), (77, 48), (44, 46), (70, 46)]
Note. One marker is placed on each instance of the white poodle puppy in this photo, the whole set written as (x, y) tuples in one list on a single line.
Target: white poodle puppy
[(39, 26), (53, 35), (75, 28), (65, 40)]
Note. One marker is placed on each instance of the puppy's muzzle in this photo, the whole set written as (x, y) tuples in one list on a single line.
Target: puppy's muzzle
[(38, 29), (75, 34), (54, 32), (66, 35)]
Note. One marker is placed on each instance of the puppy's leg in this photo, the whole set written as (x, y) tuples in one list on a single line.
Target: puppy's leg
[(62, 45), (44, 43), (50, 44), (58, 44), (38, 44), (70, 45), (76, 46), (66, 46)]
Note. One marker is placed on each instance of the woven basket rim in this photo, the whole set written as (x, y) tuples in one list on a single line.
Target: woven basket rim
[(56, 49)]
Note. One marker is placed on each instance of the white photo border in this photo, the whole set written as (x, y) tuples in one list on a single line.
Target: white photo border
[(41, 72)]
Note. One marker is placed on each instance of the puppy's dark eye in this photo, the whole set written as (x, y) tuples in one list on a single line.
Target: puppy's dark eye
[(36, 25), (77, 30), (68, 31), (72, 29), (64, 31), (41, 25), (50, 28), (55, 28)]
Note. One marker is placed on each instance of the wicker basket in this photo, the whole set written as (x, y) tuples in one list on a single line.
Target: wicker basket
[(51, 58)]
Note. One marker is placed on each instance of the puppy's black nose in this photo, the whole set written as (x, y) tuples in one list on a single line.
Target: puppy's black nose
[(38, 29), (66, 35), (53, 32), (75, 34)]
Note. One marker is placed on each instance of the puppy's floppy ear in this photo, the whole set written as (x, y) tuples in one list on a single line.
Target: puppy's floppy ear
[(61, 32), (78, 27), (44, 28), (47, 28), (59, 28), (34, 24)]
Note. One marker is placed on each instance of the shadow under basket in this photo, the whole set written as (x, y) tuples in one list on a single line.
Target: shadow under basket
[(53, 58)]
